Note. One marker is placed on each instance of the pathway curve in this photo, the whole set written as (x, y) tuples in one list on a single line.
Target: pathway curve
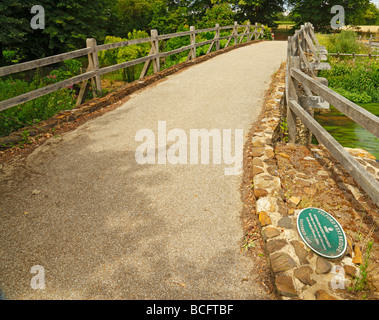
[(104, 227)]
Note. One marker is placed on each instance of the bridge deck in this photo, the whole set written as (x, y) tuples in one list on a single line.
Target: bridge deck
[(103, 226)]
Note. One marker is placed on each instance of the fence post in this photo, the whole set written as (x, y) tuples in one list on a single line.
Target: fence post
[(235, 30), (291, 94), (256, 31), (93, 63), (193, 42), (155, 50), (217, 37), (248, 38)]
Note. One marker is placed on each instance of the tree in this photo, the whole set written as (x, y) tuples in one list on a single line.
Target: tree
[(262, 11), (168, 21), (14, 21), (219, 13), (67, 25), (134, 14), (70, 22), (318, 12), (371, 16)]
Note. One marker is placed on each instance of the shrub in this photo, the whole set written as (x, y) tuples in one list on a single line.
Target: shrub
[(41, 108), (344, 42), (124, 54), (357, 81)]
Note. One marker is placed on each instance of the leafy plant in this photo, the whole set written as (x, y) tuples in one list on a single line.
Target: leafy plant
[(356, 80), (124, 54), (361, 281), (25, 137), (284, 128), (41, 108)]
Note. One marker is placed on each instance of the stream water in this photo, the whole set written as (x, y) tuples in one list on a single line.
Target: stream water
[(347, 132)]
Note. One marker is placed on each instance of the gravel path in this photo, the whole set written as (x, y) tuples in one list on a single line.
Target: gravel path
[(104, 227)]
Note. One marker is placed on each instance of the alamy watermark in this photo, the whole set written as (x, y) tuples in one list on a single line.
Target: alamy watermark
[(38, 21), (38, 281), (338, 21), (184, 150), (338, 280)]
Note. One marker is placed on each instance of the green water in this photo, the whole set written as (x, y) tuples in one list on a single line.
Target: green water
[(347, 132)]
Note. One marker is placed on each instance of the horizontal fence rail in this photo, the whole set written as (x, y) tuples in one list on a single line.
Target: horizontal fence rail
[(360, 115), (45, 90), (303, 86), (94, 72), (4, 71), (369, 55)]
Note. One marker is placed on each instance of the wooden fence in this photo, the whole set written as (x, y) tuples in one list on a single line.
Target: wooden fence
[(372, 41), (304, 91), (94, 72)]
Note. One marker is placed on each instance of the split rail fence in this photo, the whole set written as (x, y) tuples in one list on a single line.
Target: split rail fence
[(94, 72), (304, 91)]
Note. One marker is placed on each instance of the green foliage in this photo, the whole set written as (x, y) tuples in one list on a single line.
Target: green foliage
[(124, 54), (357, 81), (371, 16), (134, 14), (267, 33), (41, 108), (14, 28), (355, 96), (169, 21), (172, 44), (284, 130), (344, 42), (219, 13), (67, 25), (262, 11)]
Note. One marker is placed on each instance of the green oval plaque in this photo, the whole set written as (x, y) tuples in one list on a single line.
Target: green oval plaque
[(322, 233)]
